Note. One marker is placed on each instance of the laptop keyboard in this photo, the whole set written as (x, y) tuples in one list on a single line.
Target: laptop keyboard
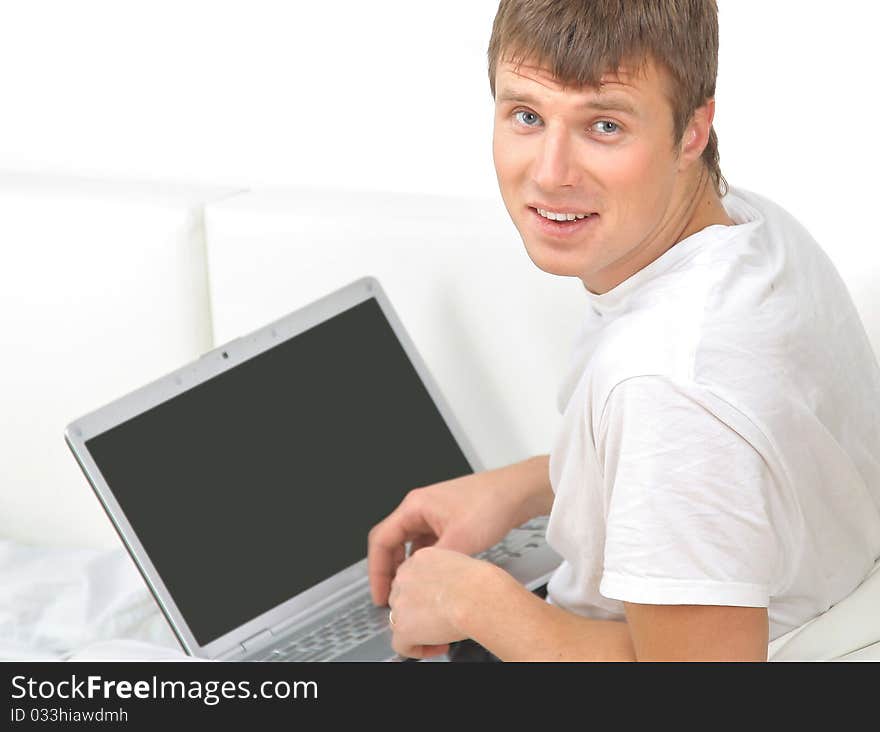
[(528, 536), (351, 626), (362, 619)]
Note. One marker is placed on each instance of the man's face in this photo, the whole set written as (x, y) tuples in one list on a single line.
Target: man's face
[(606, 153)]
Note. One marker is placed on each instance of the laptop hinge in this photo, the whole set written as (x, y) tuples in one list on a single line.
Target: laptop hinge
[(255, 641)]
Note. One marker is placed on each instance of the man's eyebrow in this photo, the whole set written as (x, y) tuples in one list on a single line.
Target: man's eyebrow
[(606, 103)]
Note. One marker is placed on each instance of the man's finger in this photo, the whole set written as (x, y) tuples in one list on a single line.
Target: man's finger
[(380, 584), (386, 546)]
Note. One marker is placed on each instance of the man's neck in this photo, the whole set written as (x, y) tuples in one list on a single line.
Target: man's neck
[(706, 210), (701, 208)]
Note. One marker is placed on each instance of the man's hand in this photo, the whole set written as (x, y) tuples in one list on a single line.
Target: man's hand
[(467, 514), (426, 592)]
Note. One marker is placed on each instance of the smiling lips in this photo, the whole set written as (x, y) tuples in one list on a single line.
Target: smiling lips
[(562, 216), (561, 224)]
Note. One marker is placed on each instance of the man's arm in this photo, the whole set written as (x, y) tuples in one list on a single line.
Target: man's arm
[(698, 632), (530, 481), (516, 625)]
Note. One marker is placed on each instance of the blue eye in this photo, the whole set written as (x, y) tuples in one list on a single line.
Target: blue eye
[(606, 131), (525, 112)]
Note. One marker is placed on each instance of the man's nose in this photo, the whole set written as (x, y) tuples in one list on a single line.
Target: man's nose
[(554, 166)]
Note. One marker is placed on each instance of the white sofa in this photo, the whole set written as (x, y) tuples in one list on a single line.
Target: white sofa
[(103, 287), (112, 284)]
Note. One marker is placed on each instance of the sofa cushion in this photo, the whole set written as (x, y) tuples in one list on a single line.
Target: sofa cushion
[(103, 289)]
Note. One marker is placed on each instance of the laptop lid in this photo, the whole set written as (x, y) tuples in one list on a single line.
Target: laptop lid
[(244, 484)]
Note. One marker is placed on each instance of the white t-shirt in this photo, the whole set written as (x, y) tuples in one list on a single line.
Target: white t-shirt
[(720, 437)]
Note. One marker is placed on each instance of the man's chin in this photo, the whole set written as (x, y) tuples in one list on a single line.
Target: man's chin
[(561, 264)]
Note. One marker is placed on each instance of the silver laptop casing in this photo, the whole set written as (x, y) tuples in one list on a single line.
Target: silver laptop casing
[(259, 632)]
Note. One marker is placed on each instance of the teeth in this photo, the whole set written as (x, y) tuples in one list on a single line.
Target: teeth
[(561, 216)]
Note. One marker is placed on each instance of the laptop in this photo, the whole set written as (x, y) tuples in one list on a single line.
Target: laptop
[(244, 484)]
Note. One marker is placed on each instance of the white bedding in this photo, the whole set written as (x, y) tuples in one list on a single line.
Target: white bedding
[(63, 604), (87, 604)]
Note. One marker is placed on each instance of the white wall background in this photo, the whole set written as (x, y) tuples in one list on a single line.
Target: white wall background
[(388, 94), (393, 95)]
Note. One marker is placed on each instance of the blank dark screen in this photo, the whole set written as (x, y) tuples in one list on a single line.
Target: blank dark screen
[(265, 480)]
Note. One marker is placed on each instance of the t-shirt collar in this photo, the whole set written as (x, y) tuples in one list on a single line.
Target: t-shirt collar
[(743, 215)]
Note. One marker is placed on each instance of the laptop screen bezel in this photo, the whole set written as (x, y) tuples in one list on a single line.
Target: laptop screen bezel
[(212, 364)]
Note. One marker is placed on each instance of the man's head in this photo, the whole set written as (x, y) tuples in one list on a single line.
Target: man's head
[(605, 107)]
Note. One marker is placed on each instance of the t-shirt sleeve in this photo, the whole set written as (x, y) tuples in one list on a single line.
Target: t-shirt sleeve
[(686, 498)]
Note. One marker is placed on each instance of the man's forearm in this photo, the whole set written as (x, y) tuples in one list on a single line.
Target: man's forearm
[(530, 480), (517, 625)]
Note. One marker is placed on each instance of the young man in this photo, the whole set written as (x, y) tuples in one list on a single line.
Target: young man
[(716, 479)]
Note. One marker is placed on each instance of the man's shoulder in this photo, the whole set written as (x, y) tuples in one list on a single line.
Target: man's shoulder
[(642, 344), (771, 222), (740, 315)]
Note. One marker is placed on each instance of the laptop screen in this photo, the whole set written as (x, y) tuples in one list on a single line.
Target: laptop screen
[(265, 480)]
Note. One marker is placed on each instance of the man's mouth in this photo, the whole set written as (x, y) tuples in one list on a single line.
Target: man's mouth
[(562, 216), (562, 223)]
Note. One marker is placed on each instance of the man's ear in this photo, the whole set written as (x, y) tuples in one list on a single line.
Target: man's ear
[(696, 134)]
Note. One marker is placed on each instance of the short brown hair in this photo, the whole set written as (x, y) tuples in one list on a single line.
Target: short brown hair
[(579, 41)]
